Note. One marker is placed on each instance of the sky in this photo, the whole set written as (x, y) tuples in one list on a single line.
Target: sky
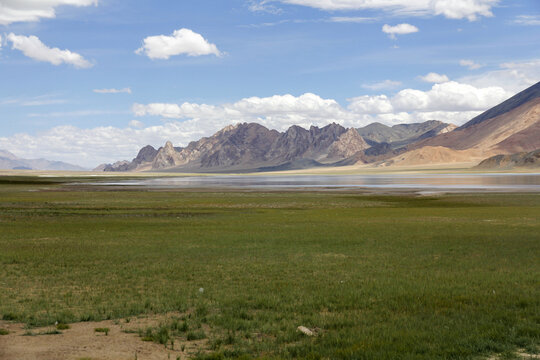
[(93, 81)]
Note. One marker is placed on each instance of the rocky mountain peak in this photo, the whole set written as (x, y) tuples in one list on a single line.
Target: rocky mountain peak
[(348, 144)]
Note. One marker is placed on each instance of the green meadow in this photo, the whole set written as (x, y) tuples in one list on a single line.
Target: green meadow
[(374, 276)]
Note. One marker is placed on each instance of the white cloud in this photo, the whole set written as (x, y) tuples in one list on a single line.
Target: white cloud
[(386, 84), (449, 96), (277, 112), (379, 104), (33, 10), (452, 9), (183, 41), (32, 47), (450, 102), (401, 29), (434, 78), (529, 20), (113, 91), (281, 111), (470, 64)]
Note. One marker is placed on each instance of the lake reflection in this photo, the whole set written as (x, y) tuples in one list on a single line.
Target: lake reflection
[(447, 182)]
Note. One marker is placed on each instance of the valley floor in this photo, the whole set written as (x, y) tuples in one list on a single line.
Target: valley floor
[(230, 274)]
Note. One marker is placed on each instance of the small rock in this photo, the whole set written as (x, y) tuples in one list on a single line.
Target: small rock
[(201, 290), (304, 330)]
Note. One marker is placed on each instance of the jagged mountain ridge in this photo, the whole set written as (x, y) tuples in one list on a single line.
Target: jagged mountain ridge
[(254, 147), (250, 146)]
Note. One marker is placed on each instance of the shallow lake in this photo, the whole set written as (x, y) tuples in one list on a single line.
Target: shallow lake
[(418, 182)]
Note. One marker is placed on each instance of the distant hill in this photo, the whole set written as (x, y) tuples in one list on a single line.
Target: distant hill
[(9, 161), (403, 134), (519, 160)]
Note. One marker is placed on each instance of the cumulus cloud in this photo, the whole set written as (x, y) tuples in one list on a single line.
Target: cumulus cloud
[(277, 112), (443, 100), (401, 29), (32, 47), (113, 91), (281, 111), (449, 96), (31, 10), (452, 9), (470, 64), (434, 78), (183, 41), (386, 84)]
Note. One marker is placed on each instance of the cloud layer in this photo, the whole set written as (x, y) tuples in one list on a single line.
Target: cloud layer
[(32, 47), (452, 9), (183, 41), (450, 101), (32, 10), (113, 91)]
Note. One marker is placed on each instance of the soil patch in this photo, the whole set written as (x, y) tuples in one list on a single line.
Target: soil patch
[(81, 341)]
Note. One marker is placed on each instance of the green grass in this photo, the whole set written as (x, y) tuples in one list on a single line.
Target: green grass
[(102, 330), (379, 277)]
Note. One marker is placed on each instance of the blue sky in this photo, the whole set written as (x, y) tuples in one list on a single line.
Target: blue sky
[(74, 88)]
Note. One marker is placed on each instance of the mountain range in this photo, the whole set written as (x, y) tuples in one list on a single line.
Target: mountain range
[(253, 147), (9, 161), (510, 127)]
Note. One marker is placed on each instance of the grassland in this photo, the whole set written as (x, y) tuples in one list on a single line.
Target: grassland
[(376, 277)]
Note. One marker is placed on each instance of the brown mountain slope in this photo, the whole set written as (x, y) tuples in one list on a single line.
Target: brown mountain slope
[(434, 155), (513, 126), (487, 135)]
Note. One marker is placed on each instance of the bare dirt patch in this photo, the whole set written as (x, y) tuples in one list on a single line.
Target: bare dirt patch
[(81, 341)]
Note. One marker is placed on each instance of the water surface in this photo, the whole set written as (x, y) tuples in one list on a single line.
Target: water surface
[(419, 182)]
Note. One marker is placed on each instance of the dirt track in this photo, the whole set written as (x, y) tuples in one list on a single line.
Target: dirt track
[(82, 342)]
